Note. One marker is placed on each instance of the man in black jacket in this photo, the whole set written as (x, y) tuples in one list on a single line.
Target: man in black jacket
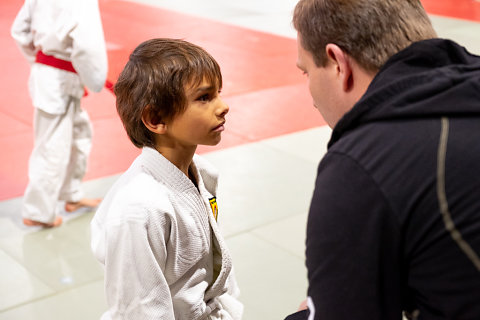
[(394, 222)]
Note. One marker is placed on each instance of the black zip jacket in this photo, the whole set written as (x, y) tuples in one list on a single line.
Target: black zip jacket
[(394, 222)]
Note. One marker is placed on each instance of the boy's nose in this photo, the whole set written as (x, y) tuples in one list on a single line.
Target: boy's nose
[(223, 108)]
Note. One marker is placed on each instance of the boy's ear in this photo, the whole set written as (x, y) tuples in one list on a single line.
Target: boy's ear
[(153, 121), (342, 64)]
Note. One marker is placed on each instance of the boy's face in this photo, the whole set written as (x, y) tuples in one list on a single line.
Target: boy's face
[(203, 120)]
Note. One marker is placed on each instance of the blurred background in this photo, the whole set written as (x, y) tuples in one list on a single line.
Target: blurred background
[(267, 159)]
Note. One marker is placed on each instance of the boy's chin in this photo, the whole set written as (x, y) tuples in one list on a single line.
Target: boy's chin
[(214, 142)]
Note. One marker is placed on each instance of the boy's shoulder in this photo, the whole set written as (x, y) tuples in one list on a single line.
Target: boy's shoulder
[(136, 191), (135, 200), (138, 188)]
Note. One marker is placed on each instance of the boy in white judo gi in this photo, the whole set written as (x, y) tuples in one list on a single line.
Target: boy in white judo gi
[(156, 230), (64, 43)]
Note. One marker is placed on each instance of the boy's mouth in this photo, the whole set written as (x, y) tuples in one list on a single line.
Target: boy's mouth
[(220, 127)]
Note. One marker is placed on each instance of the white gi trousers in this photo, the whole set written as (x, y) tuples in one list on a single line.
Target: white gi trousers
[(58, 161)]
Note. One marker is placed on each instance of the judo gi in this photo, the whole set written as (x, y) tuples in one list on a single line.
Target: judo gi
[(66, 32), (163, 253)]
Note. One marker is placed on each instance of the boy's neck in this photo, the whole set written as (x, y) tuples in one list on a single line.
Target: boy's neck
[(180, 157)]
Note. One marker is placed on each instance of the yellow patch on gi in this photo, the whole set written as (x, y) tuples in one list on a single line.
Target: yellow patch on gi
[(214, 206)]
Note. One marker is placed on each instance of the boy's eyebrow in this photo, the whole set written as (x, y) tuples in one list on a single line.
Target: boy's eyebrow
[(203, 89)]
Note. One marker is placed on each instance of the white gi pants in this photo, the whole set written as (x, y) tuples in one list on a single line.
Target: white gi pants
[(58, 161)]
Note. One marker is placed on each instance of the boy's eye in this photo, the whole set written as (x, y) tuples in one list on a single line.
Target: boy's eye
[(205, 97)]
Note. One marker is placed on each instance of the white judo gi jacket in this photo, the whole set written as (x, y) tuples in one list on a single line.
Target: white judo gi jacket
[(70, 30), (157, 236)]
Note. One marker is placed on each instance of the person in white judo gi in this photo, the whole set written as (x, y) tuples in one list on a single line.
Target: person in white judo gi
[(64, 43), (156, 231)]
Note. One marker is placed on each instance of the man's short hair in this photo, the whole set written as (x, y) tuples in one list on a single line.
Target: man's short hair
[(370, 31), (154, 80)]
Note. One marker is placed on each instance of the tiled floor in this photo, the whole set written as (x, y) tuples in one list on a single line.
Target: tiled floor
[(266, 176)]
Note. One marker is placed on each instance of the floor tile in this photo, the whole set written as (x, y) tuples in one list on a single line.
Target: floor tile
[(82, 303), (466, 33), (287, 234), (18, 285), (259, 185), (310, 144), (60, 257), (272, 281)]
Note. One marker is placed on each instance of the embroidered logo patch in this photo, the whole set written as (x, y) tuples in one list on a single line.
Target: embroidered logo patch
[(214, 206)]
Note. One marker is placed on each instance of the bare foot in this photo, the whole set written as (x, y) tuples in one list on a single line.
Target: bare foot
[(83, 203), (33, 223)]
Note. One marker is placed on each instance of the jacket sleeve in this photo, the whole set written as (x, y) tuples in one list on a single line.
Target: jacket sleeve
[(352, 246), (89, 55), (22, 33), (135, 284)]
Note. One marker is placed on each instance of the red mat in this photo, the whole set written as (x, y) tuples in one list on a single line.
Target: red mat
[(266, 93), (461, 9)]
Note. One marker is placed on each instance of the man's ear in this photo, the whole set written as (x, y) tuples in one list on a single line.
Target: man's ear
[(153, 121), (342, 64)]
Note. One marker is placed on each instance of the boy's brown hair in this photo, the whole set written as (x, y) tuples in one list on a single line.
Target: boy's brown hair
[(154, 80), (370, 31)]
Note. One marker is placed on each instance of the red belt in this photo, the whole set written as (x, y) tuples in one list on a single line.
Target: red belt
[(54, 62), (57, 63), (63, 65)]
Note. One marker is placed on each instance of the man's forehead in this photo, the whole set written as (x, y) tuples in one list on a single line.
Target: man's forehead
[(303, 57)]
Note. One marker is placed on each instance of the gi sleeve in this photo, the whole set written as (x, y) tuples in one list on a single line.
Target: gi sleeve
[(352, 246), (89, 55), (135, 284), (22, 33)]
